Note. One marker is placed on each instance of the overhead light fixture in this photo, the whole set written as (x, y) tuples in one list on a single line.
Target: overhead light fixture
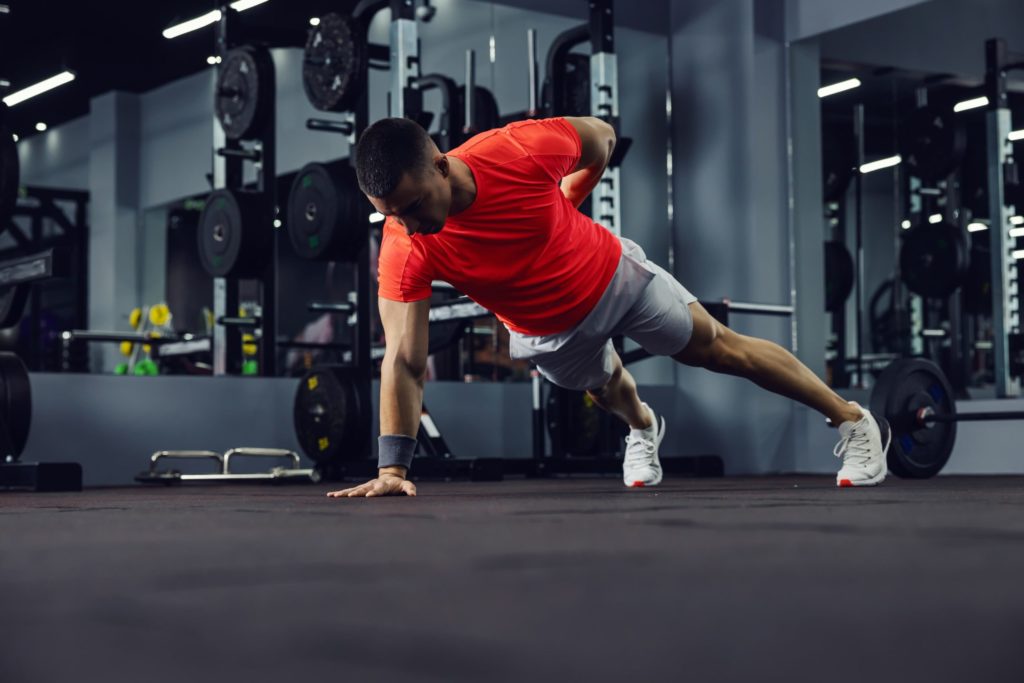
[(1016, 232), (314, 21), (935, 218), (15, 136), (971, 104), (906, 225), (1018, 254), (41, 127), (213, 60), (976, 226), (1016, 220), (839, 87), (880, 164), (277, 223), (376, 217), (205, 20), (1016, 135), (39, 88)]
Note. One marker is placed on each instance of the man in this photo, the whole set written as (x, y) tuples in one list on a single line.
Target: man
[(497, 218)]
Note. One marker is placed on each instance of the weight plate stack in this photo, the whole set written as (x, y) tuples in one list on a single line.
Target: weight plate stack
[(234, 234), (335, 62), (15, 402), (331, 422), (328, 217), (903, 388), (934, 259), (245, 91)]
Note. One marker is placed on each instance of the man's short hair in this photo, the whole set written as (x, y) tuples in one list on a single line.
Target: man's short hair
[(386, 150)]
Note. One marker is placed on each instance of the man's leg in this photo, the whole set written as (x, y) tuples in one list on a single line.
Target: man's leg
[(717, 348), (619, 397)]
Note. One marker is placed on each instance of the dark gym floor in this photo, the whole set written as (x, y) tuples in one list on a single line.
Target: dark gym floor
[(740, 579)]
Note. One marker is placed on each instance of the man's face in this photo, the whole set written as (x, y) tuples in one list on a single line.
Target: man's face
[(421, 201)]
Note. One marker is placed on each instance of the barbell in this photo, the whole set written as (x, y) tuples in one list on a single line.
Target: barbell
[(917, 400)]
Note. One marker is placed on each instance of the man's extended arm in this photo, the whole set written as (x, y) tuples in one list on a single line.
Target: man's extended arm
[(597, 140), (403, 370)]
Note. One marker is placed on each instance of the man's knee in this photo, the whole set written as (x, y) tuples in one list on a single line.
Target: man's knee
[(614, 378)]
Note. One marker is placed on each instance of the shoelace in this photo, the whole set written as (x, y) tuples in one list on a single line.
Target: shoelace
[(641, 455), (856, 444)]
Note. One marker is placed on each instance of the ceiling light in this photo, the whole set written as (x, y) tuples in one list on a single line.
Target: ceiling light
[(376, 217), (906, 225), (1018, 254), (192, 24), (41, 127), (277, 222), (971, 104), (1016, 232), (213, 60), (1017, 135), (880, 164), (935, 218), (976, 227), (39, 88), (15, 136), (842, 86), (314, 21), (1017, 220), (242, 5)]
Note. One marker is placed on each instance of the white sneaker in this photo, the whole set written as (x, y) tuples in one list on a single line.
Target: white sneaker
[(862, 448), (641, 466)]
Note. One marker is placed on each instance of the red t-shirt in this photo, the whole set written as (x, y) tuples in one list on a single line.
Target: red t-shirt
[(521, 249)]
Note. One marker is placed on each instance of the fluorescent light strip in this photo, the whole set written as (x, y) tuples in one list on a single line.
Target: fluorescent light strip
[(41, 127), (880, 164), (935, 218), (971, 104), (207, 19), (1018, 254), (842, 86), (976, 227), (376, 217), (314, 21), (1016, 135), (39, 88), (1016, 220), (1016, 232)]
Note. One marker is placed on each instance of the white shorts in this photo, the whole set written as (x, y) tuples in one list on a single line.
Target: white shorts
[(642, 302)]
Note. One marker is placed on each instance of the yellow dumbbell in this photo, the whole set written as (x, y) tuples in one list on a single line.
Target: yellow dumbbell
[(126, 348), (135, 317), (159, 315)]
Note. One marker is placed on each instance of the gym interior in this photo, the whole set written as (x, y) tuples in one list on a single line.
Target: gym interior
[(191, 350)]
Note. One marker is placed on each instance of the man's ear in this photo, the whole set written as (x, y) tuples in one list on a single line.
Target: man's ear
[(443, 165)]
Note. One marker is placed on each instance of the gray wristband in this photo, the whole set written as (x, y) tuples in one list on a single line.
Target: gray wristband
[(395, 450)]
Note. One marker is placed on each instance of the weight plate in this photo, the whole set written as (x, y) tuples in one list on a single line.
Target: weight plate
[(15, 401), (905, 386), (335, 62), (12, 304), (9, 176), (934, 142), (934, 259), (577, 427), (978, 285), (838, 275), (574, 98), (328, 216), (245, 91), (485, 113), (234, 235), (331, 423)]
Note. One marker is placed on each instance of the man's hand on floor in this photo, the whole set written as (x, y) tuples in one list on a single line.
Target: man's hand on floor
[(384, 485)]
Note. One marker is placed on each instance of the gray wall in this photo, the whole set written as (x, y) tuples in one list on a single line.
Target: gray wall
[(806, 18)]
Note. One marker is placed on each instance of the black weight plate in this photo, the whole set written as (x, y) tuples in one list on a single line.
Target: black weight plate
[(330, 421), (485, 113), (934, 259), (9, 176), (838, 275), (15, 401), (234, 235), (577, 427), (328, 216), (904, 386), (12, 304), (245, 91), (978, 285), (335, 63), (574, 98), (933, 142)]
